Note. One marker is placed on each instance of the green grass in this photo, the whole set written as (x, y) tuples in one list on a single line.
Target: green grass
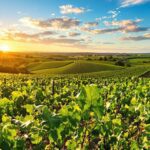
[(139, 61), (47, 65), (127, 72), (80, 67), (137, 71)]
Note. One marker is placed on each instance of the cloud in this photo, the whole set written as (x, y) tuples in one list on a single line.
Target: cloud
[(114, 13), (126, 26), (123, 29), (55, 23), (137, 38), (123, 23), (53, 14), (41, 37), (74, 34), (90, 24), (119, 29), (27, 36), (126, 3), (63, 36), (70, 9), (108, 43), (61, 40), (103, 31)]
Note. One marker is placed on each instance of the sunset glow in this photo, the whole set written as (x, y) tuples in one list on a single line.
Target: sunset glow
[(76, 26), (5, 48)]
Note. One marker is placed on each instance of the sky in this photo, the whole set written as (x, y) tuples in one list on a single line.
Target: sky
[(102, 26)]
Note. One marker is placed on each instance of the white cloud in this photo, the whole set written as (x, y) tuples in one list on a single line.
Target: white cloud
[(69, 9), (114, 13), (53, 14), (126, 3)]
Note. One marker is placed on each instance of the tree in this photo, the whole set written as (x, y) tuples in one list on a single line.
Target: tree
[(120, 62)]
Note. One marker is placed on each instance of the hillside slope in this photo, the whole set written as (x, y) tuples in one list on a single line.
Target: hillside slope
[(79, 67)]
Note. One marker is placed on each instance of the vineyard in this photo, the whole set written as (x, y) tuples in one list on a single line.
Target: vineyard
[(74, 112), (74, 75)]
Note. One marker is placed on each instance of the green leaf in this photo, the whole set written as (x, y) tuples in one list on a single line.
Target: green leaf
[(36, 138), (147, 128), (116, 122), (88, 96), (52, 121), (29, 108), (16, 94), (134, 101), (134, 145), (6, 119)]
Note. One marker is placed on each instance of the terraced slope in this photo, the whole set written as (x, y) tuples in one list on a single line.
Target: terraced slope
[(80, 67)]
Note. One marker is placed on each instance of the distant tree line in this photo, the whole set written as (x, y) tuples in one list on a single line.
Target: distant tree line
[(118, 60)]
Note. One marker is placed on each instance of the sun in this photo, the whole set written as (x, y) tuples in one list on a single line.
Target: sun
[(4, 48)]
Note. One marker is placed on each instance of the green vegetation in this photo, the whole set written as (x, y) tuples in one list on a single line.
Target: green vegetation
[(79, 67), (74, 102), (74, 113), (47, 65)]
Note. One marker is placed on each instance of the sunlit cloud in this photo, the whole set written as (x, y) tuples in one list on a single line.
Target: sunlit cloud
[(137, 38), (54, 23), (103, 31), (41, 37), (123, 23), (70, 9), (124, 26), (90, 24), (119, 29), (70, 25), (74, 34), (86, 27), (126, 3)]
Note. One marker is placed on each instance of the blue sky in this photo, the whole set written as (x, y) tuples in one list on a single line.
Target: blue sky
[(76, 25)]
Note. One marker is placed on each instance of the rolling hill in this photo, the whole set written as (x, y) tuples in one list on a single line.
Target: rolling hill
[(47, 65), (75, 67)]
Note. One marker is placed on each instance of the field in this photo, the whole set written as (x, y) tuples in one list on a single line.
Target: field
[(55, 64), (79, 67), (75, 102), (71, 113)]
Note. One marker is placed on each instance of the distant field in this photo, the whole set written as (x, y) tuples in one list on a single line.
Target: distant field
[(89, 64), (140, 61), (78, 67), (127, 72), (47, 65)]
